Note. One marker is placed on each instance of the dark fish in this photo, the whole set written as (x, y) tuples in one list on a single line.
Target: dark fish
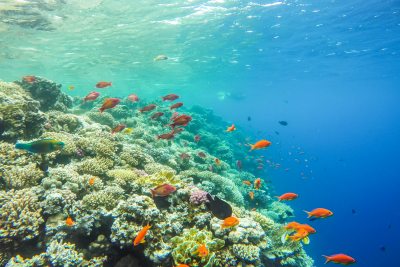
[(2, 127), (178, 130), (181, 120), (170, 97), (157, 115), (276, 132), (166, 136), (248, 118), (43, 166), (353, 211), (148, 108), (176, 105), (283, 123), (218, 207), (184, 156), (383, 248)]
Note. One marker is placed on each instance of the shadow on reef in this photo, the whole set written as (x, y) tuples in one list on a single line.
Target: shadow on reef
[(85, 204)]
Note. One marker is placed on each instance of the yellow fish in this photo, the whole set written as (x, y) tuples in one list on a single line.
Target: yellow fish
[(71, 87), (128, 131)]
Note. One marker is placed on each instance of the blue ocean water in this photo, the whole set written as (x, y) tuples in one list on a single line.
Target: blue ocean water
[(328, 68)]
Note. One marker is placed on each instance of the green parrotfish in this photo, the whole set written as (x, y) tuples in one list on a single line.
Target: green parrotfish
[(42, 146)]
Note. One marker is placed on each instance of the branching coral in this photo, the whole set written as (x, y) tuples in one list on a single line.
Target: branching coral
[(20, 216)]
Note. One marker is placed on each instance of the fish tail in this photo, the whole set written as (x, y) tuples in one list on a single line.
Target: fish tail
[(21, 146), (327, 259), (278, 198), (101, 110), (152, 192), (308, 213)]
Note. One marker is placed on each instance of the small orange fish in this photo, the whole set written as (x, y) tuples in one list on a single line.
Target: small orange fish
[(260, 145), (140, 236), (319, 213), (340, 259), (308, 228), (231, 128), (91, 181), (217, 161), (246, 182), (103, 84), (287, 197), (29, 79), (182, 265), (118, 128), (69, 222), (251, 195), (257, 183), (109, 103), (202, 251), (292, 226), (230, 222), (299, 235)]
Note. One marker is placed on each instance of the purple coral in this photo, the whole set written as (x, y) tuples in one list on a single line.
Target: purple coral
[(198, 196)]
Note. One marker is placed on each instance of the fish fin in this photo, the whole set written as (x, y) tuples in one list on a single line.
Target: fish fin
[(142, 241), (308, 213), (152, 192), (101, 110), (306, 240), (326, 259), (284, 237)]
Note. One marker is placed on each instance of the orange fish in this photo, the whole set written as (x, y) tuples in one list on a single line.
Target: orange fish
[(182, 265), (308, 228), (202, 251), (109, 103), (103, 84), (29, 79), (91, 181), (230, 222), (118, 128), (292, 226), (69, 222), (340, 259), (287, 196), (260, 145), (299, 235), (251, 195), (217, 161), (231, 128), (257, 183), (247, 182), (318, 213), (140, 236), (163, 190)]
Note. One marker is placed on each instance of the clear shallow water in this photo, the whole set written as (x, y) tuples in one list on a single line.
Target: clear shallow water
[(329, 68)]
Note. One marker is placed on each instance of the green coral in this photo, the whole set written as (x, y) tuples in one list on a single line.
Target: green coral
[(185, 247)]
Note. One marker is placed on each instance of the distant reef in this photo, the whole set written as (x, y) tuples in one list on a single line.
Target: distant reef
[(84, 205)]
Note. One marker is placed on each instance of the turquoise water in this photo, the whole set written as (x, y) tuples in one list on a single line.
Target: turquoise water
[(328, 68)]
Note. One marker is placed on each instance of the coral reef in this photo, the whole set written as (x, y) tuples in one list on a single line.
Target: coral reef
[(101, 182), (19, 113)]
